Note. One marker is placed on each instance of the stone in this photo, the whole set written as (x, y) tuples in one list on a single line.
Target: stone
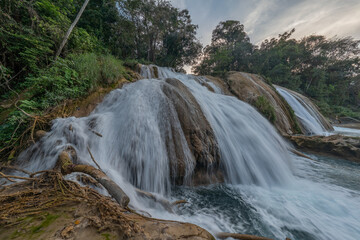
[(338, 146)]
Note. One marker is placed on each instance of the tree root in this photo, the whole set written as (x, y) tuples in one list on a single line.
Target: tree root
[(66, 166)]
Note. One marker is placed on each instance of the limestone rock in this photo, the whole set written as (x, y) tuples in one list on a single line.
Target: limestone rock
[(248, 87), (198, 133), (335, 145)]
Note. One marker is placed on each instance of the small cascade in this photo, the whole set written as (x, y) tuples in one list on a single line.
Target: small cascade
[(137, 123), (312, 122)]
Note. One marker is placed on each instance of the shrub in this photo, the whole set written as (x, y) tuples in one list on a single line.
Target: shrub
[(264, 106), (68, 78)]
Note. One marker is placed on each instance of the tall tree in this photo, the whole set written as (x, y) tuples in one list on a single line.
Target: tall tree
[(230, 49), (67, 34)]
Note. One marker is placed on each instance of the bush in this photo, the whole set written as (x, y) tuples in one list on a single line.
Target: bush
[(68, 78), (112, 69), (264, 106)]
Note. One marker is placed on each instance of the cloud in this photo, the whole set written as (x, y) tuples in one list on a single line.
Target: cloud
[(268, 18)]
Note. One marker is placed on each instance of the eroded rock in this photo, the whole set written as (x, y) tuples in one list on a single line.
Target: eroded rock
[(198, 133), (249, 87), (335, 145)]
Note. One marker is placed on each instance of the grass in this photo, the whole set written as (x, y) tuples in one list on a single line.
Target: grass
[(49, 218), (264, 106), (70, 78)]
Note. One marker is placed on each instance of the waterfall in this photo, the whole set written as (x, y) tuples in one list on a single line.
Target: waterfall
[(305, 112), (142, 132), (145, 144), (252, 151)]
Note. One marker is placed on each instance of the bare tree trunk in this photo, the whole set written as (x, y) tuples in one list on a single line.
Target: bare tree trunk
[(70, 29)]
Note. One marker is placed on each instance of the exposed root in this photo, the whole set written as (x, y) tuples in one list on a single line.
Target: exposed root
[(49, 191), (9, 177)]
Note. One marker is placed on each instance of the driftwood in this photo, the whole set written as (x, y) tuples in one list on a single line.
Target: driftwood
[(178, 202), (92, 158), (300, 154), (165, 203), (224, 235), (66, 166)]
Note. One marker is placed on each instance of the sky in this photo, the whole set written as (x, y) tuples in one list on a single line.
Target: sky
[(269, 18)]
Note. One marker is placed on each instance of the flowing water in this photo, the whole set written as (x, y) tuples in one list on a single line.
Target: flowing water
[(268, 191), (352, 132), (307, 115)]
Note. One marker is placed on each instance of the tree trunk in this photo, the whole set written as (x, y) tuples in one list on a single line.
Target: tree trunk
[(71, 28)]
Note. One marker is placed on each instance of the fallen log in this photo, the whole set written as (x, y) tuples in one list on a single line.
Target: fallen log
[(224, 235), (300, 154), (178, 202), (166, 204), (66, 166)]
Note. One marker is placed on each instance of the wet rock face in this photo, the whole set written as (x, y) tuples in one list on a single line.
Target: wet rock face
[(248, 87), (198, 133), (336, 146)]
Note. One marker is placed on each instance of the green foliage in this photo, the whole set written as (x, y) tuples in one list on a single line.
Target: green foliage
[(112, 69), (158, 32), (327, 70), (229, 50), (264, 106), (47, 221), (72, 78), (68, 78)]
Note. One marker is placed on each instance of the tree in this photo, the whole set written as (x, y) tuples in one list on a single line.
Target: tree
[(230, 50), (67, 34)]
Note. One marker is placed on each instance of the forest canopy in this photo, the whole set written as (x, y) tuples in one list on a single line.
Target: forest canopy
[(108, 35), (325, 69), (113, 33)]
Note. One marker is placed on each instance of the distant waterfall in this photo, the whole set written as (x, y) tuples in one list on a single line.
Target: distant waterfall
[(306, 113)]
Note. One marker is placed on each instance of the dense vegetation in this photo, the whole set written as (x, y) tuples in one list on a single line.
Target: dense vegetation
[(114, 33), (327, 70), (109, 35)]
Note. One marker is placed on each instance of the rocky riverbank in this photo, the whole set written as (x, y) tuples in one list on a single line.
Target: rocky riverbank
[(338, 146)]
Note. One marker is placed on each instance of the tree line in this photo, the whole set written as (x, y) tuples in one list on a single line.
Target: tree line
[(109, 35), (325, 69), (146, 30)]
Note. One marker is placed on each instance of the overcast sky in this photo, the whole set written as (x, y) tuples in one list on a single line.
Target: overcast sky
[(268, 18)]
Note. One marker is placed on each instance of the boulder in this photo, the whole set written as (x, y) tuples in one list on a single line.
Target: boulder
[(198, 133), (335, 146), (249, 87)]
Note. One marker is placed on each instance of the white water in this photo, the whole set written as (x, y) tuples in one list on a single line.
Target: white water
[(269, 191), (248, 157), (304, 112), (352, 132)]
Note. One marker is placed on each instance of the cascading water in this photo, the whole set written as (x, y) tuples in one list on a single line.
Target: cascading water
[(307, 115), (269, 192), (247, 156)]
